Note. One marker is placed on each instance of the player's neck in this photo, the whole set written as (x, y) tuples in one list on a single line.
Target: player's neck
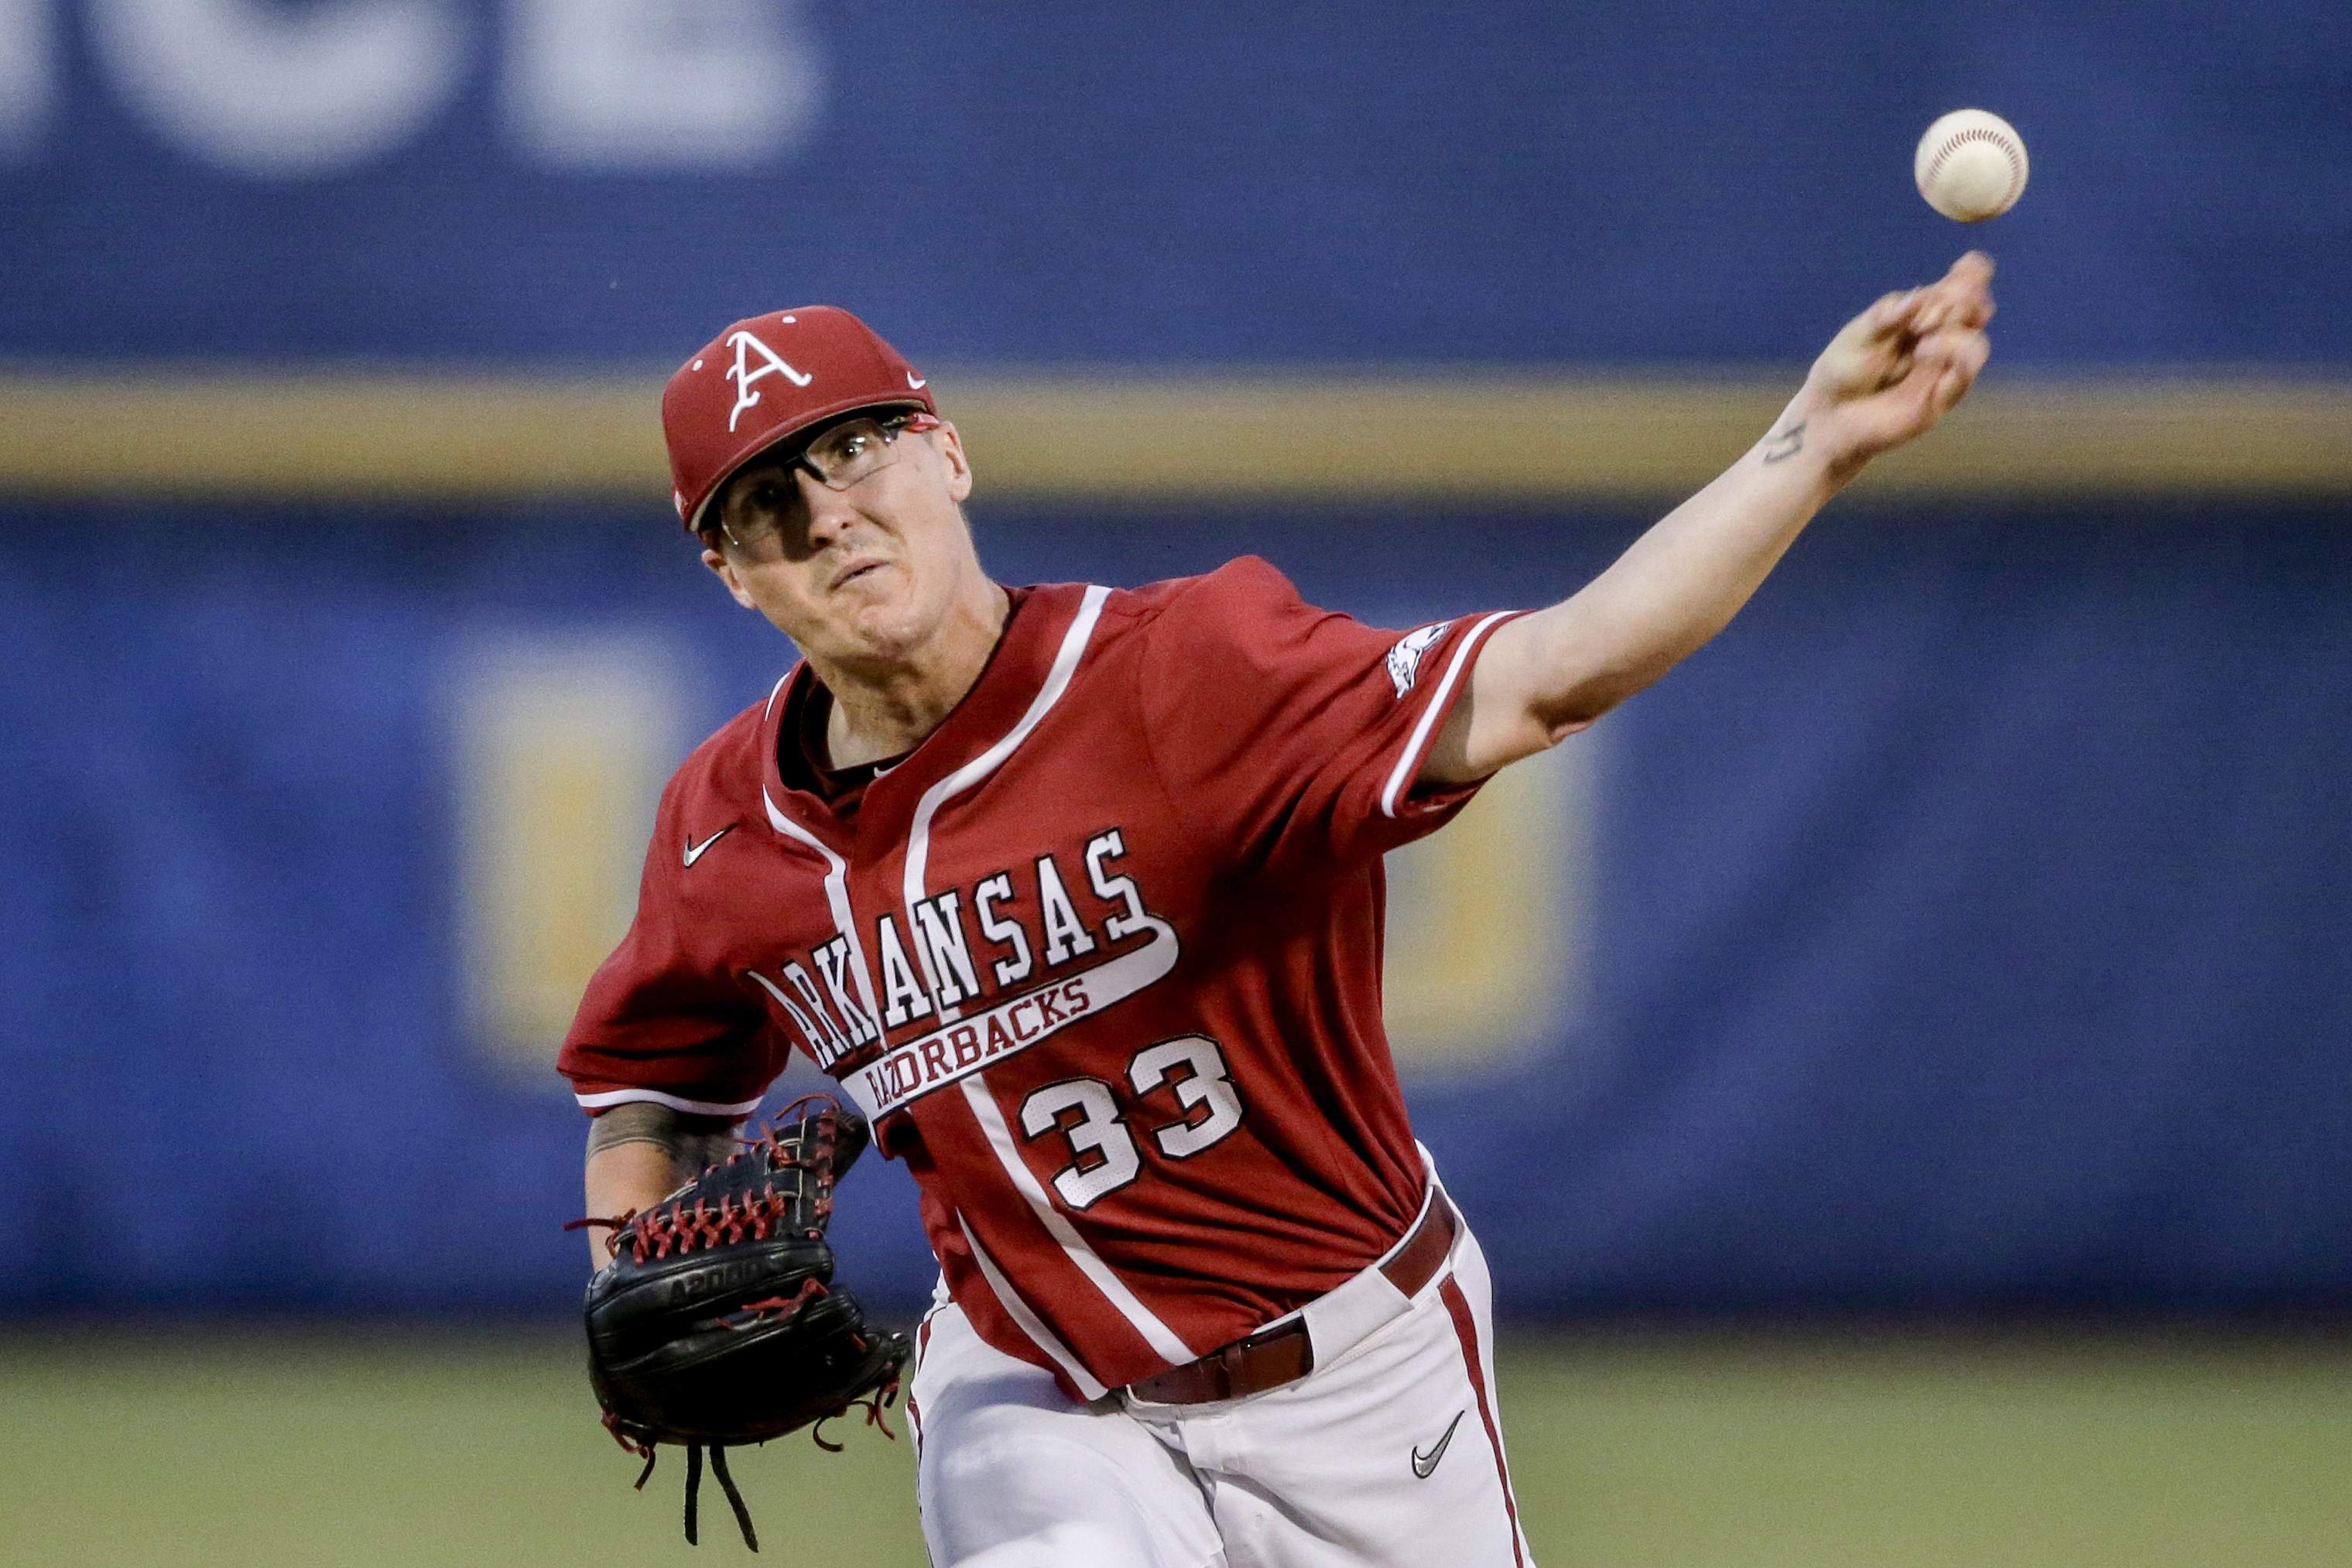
[(881, 712)]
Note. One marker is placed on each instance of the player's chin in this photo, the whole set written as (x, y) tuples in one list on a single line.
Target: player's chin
[(883, 622), (876, 595)]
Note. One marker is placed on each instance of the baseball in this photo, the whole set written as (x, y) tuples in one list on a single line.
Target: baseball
[(1970, 165)]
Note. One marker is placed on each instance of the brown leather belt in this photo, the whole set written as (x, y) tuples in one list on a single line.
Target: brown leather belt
[(1275, 1356)]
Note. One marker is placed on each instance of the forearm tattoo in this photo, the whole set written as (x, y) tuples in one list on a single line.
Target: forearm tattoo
[(1785, 443), (691, 1141)]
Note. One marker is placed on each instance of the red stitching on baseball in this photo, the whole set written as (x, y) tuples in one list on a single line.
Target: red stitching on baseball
[(1977, 134)]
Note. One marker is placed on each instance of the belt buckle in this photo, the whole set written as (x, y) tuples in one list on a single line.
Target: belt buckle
[(1231, 1362)]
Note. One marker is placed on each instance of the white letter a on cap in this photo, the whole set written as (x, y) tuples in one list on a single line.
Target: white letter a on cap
[(743, 376)]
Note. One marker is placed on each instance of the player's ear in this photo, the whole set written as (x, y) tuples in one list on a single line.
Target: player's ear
[(716, 561), (950, 446)]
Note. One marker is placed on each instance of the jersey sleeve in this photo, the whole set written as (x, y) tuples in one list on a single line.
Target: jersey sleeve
[(1298, 732), (663, 1019)]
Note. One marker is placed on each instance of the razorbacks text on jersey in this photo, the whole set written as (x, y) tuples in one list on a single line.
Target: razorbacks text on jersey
[(1100, 958)]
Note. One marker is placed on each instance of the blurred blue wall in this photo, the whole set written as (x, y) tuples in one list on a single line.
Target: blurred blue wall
[(1967, 928), (1489, 181)]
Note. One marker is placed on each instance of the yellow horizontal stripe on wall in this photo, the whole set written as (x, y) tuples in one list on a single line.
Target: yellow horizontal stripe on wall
[(1109, 439)]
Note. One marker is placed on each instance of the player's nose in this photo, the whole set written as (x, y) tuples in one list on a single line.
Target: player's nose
[(828, 510)]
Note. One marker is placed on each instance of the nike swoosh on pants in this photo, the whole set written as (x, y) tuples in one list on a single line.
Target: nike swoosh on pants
[(1422, 1464)]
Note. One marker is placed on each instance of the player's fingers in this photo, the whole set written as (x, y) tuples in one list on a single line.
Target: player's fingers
[(1873, 350), (1974, 269), (1976, 349), (1972, 308), (1959, 358), (1963, 296), (1950, 387), (1973, 352), (1890, 313), (1963, 288), (1947, 347)]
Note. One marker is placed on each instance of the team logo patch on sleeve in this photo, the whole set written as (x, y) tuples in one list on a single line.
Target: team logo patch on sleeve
[(1404, 659)]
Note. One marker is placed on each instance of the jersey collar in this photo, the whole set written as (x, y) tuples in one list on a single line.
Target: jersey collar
[(1015, 671)]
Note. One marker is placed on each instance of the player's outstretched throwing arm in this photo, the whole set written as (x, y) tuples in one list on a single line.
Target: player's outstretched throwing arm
[(1887, 376)]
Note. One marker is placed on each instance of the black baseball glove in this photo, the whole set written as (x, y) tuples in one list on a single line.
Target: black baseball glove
[(716, 1323)]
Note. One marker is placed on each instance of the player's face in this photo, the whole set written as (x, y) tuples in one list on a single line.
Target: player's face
[(863, 576)]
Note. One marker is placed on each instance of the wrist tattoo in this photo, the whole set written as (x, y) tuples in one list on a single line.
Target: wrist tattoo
[(1785, 443)]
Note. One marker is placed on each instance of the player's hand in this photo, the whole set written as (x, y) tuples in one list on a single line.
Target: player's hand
[(1895, 370)]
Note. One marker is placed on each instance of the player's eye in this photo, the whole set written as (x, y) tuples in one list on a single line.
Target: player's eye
[(843, 452), (849, 453)]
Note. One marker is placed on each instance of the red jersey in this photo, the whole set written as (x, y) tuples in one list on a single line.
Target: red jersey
[(1100, 958)]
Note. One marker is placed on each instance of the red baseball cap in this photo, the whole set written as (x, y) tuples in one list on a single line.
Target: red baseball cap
[(765, 378)]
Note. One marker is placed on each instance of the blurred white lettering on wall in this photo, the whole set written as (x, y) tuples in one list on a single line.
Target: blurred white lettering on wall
[(564, 740), (27, 75), (645, 84), (282, 91), (1485, 919)]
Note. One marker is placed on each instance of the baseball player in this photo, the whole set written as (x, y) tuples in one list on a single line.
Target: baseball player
[(1076, 892)]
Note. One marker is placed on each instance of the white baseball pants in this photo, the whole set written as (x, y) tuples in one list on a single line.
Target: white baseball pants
[(1391, 1455)]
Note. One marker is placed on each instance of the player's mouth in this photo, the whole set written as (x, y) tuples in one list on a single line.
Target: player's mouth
[(855, 570)]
